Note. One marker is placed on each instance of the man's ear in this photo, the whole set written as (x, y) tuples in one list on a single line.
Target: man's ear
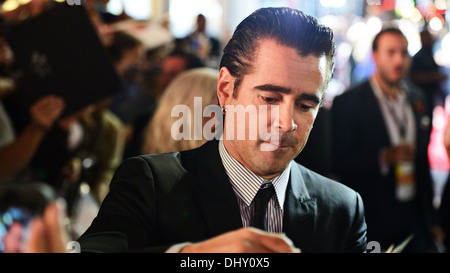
[(225, 87), (375, 57)]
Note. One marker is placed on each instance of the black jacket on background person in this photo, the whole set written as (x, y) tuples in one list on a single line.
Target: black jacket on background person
[(359, 135)]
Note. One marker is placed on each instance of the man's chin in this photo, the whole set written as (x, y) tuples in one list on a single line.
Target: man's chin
[(272, 168), (276, 155)]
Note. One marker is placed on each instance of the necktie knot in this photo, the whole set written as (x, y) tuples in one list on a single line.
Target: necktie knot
[(261, 202)]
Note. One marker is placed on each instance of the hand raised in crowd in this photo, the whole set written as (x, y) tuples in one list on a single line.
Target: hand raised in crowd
[(46, 110), (47, 234), (244, 240), (15, 156)]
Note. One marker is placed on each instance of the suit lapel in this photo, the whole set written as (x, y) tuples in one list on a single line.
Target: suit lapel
[(214, 192), (300, 211)]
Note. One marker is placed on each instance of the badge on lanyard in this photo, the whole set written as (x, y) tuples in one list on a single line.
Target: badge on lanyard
[(405, 181)]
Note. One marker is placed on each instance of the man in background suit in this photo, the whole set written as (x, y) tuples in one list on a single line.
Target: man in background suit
[(207, 199), (381, 131)]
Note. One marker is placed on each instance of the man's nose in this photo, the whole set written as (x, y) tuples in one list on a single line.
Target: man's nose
[(286, 119), (400, 58)]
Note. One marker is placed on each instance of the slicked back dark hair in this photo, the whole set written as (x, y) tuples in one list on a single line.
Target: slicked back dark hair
[(289, 27)]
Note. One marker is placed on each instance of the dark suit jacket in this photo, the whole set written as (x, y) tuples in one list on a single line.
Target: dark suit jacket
[(156, 201), (359, 134)]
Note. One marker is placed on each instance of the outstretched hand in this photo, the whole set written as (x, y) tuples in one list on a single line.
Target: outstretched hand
[(244, 240)]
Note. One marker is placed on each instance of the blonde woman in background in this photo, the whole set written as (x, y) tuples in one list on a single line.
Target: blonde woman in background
[(198, 82)]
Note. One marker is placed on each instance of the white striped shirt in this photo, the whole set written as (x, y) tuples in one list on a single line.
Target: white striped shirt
[(246, 184)]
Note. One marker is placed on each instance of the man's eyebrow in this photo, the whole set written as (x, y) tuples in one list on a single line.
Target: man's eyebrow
[(285, 90), (275, 88), (310, 97)]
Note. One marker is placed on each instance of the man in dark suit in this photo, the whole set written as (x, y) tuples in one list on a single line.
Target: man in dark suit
[(211, 199), (381, 130)]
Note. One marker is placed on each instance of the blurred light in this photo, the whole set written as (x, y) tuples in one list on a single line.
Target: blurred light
[(331, 21), (435, 23), (417, 16), (442, 56), (355, 31), (88, 162), (333, 3), (374, 24), (445, 42), (138, 9), (410, 30), (388, 4), (10, 5), (344, 50), (274, 3), (60, 1), (84, 188), (405, 8), (115, 7), (440, 4), (360, 35), (362, 49), (430, 8)]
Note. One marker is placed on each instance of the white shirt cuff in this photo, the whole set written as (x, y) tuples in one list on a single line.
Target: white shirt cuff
[(176, 248)]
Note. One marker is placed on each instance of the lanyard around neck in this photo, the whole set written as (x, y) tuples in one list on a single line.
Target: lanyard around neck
[(401, 119)]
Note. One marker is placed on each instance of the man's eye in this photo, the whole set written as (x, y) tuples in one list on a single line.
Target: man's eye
[(269, 99), (305, 107)]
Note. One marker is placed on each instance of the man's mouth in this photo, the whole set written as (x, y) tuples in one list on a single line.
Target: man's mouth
[(286, 142)]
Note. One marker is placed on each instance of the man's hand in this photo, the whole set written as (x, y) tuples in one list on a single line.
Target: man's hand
[(399, 153), (244, 240), (46, 110)]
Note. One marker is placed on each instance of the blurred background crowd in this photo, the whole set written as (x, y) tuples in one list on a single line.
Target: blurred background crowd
[(165, 53)]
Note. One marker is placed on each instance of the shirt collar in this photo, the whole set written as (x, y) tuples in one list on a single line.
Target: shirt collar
[(380, 94), (246, 183)]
